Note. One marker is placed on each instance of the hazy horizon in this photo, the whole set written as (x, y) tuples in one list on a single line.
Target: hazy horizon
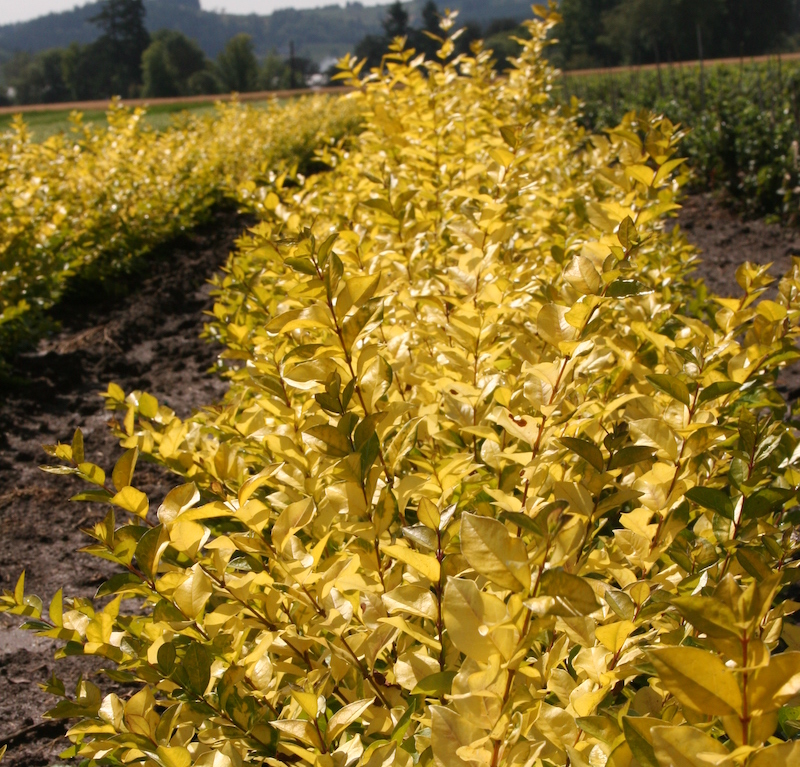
[(13, 10)]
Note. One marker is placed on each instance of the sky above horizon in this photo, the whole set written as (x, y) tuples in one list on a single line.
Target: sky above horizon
[(21, 10)]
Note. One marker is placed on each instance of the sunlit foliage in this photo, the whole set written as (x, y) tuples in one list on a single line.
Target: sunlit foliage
[(95, 198), (493, 484)]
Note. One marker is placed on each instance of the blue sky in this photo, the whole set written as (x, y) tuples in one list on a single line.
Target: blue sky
[(19, 10)]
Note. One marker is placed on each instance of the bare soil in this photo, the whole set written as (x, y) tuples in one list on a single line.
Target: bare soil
[(150, 340)]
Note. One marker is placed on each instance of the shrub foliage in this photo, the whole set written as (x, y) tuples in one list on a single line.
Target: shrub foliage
[(95, 198), (495, 484), (744, 118)]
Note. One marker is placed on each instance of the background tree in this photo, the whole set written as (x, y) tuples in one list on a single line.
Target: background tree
[(396, 22), (237, 66), (274, 73), (37, 79), (169, 64), (579, 35), (123, 41)]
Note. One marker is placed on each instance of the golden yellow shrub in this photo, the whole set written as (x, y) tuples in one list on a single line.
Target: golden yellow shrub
[(493, 485)]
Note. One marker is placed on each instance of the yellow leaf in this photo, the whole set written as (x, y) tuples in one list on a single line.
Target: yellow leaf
[(299, 729), (553, 325), (613, 635), (174, 756), (132, 500), (193, 593), (472, 617), (641, 173), (698, 679), (425, 564), (688, 747), (123, 469), (494, 553), (345, 716)]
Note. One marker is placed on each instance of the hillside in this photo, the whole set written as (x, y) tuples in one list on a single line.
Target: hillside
[(317, 33)]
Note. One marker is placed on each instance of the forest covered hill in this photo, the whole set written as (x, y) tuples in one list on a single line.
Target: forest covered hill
[(317, 33)]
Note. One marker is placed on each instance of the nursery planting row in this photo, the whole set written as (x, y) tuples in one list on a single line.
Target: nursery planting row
[(494, 483), (90, 201), (744, 122)]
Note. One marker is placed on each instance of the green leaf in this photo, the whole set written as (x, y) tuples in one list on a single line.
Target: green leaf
[(766, 501), (77, 447), (332, 442), (673, 386), (631, 455), (120, 582), (603, 728), (329, 403), (166, 658), (710, 498), (620, 603), (93, 496), (150, 548), (378, 203), (624, 288), (571, 594), (324, 250), (520, 520), (789, 721), (639, 738), (302, 265), (436, 684), (586, 450), (196, 667), (627, 234), (716, 390), (509, 134)]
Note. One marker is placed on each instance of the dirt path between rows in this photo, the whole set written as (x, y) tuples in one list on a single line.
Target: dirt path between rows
[(151, 341)]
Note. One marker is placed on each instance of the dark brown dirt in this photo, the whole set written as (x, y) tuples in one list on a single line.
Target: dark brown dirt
[(726, 241), (150, 341)]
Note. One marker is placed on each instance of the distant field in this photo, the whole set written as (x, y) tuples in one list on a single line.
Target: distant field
[(48, 119), (46, 124)]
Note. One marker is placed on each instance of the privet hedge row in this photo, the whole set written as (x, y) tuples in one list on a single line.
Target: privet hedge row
[(493, 484), (744, 119), (95, 198)]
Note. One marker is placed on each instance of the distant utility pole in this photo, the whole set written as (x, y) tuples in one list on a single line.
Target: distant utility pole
[(702, 70), (291, 65)]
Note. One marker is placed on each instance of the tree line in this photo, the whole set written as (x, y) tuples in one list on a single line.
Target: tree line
[(498, 35), (128, 61), (598, 33)]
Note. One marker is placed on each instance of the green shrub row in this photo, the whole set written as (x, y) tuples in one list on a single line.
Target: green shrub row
[(743, 122)]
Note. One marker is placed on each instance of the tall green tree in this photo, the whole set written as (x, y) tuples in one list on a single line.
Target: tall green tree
[(37, 79), (396, 22), (579, 43), (237, 66), (169, 64), (121, 45)]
